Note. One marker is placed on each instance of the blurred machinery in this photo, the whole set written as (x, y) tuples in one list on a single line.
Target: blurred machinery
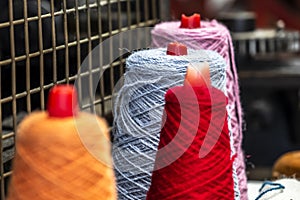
[(268, 61)]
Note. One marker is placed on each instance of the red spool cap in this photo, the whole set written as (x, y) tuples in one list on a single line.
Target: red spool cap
[(191, 22), (198, 75), (62, 101), (176, 49)]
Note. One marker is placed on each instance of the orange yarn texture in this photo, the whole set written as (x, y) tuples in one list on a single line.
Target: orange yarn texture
[(62, 158)]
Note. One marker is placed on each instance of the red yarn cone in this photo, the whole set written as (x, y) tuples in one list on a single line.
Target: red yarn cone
[(185, 132)]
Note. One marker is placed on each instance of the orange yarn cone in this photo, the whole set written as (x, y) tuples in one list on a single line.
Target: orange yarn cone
[(62, 156)]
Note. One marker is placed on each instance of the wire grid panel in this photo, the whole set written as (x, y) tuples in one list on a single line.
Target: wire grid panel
[(44, 42)]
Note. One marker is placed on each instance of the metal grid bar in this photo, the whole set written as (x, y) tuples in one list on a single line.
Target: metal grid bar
[(89, 35), (74, 28), (26, 34), (66, 39), (78, 49), (54, 60), (13, 66), (40, 30), (2, 185), (102, 89)]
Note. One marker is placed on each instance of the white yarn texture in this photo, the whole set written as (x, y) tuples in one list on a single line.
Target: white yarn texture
[(138, 110)]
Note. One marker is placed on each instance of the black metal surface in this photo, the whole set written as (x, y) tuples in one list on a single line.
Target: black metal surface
[(271, 130), (239, 21)]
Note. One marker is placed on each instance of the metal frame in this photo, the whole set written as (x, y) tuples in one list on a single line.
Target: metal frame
[(76, 27)]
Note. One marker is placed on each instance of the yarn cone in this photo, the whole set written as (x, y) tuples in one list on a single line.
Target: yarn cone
[(138, 110), (214, 36), (196, 121), (62, 156)]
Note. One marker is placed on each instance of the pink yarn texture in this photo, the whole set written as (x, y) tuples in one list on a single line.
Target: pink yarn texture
[(216, 37)]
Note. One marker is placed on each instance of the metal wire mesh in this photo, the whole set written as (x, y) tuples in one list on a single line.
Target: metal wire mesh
[(43, 43)]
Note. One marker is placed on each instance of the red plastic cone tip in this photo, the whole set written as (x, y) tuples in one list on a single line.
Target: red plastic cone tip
[(191, 22), (198, 75), (176, 49), (62, 101)]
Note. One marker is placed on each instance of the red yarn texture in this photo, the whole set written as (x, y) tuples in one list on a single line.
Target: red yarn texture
[(190, 176)]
